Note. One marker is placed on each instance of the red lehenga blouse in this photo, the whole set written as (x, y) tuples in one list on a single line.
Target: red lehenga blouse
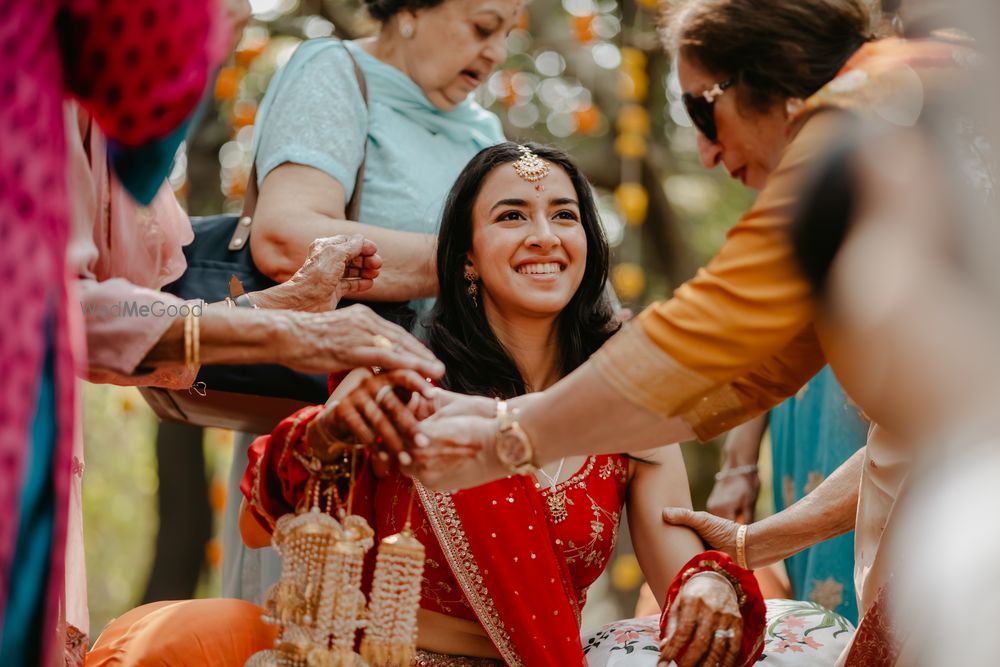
[(494, 554)]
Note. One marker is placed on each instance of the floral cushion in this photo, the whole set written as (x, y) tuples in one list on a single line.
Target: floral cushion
[(798, 633)]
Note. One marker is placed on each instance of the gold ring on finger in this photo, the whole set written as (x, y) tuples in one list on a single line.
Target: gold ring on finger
[(725, 634)]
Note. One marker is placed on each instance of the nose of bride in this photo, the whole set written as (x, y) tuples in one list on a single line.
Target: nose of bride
[(542, 236)]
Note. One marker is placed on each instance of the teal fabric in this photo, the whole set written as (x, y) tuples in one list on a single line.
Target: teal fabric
[(21, 642), (313, 114), (142, 170), (811, 435)]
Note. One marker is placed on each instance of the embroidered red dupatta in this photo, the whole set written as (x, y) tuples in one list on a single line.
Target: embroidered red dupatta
[(497, 541)]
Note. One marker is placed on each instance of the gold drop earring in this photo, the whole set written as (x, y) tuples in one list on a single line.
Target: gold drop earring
[(473, 289)]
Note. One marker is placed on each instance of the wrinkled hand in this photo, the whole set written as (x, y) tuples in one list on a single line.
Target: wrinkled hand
[(350, 338), (380, 412), (456, 452), (337, 266), (718, 533), (734, 497), (705, 604)]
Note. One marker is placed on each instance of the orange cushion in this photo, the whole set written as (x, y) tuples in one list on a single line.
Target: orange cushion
[(218, 632)]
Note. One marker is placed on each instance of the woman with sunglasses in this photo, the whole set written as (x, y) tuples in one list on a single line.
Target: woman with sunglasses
[(771, 86)]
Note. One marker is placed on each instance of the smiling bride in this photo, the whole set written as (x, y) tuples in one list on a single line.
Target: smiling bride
[(522, 262)]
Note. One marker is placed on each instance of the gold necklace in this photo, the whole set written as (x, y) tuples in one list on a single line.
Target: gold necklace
[(556, 501)]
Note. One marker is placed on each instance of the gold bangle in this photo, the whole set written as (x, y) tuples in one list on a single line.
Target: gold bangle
[(741, 596), (316, 433), (741, 546), (195, 341), (188, 325)]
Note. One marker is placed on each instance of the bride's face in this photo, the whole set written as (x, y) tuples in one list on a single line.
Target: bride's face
[(528, 243)]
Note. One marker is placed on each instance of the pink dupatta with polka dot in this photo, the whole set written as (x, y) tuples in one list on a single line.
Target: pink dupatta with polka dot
[(139, 66)]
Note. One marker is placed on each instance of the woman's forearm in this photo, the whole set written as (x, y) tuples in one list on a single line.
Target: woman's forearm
[(299, 204), (408, 271), (660, 480), (226, 336), (828, 511)]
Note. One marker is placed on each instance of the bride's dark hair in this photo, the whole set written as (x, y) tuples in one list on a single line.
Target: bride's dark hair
[(458, 332)]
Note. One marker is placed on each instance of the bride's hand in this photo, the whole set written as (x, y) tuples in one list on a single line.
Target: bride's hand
[(456, 452), (704, 626), (379, 412)]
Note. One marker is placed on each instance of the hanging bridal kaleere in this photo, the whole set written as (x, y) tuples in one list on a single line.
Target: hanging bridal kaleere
[(318, 602)]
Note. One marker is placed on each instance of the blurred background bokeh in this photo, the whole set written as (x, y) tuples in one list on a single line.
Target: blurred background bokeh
[(586, 75)]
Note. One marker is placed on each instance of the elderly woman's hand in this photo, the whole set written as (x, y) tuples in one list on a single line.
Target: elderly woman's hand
[(337, 266), (716, 532), (704, 626), (348, 338), (734, 497)]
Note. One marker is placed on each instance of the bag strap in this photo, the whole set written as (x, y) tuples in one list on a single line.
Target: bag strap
[(242, 232)]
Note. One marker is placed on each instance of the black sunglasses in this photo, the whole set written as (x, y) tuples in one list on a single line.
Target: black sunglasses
[(701, 108)]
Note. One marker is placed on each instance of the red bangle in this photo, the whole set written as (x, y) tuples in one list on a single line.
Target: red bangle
[(748, 596)]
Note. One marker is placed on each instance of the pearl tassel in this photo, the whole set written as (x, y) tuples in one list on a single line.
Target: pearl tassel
[(391, 635)]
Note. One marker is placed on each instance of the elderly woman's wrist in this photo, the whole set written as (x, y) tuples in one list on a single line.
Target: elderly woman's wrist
[(278, 297)]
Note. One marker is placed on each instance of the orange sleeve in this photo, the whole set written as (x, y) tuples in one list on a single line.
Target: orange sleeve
[(737, 337), (760, 389)]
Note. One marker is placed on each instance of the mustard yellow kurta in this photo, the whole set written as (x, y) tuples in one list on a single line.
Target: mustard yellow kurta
[(743, 334)]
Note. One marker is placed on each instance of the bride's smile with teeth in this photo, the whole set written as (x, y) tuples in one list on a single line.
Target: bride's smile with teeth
[(540, 269)]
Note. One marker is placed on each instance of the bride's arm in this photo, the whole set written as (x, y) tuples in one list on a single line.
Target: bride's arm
[(705, 623), (661, 551)]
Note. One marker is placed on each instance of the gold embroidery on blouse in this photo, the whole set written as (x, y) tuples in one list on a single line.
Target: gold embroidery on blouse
[(591, 554)]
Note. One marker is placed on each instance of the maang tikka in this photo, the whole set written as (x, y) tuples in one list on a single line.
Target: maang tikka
[(530, 167)]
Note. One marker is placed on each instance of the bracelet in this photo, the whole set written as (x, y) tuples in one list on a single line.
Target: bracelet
[(709, 573), (316, 433), (244, 301), (741, 546), (741, 597), (195, 341), (189, 340), (733, 472)]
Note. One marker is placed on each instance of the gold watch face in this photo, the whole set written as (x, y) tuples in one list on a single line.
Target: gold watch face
[(513, 449)]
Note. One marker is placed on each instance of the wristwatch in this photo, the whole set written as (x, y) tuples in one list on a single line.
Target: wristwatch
[(513, 447)]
